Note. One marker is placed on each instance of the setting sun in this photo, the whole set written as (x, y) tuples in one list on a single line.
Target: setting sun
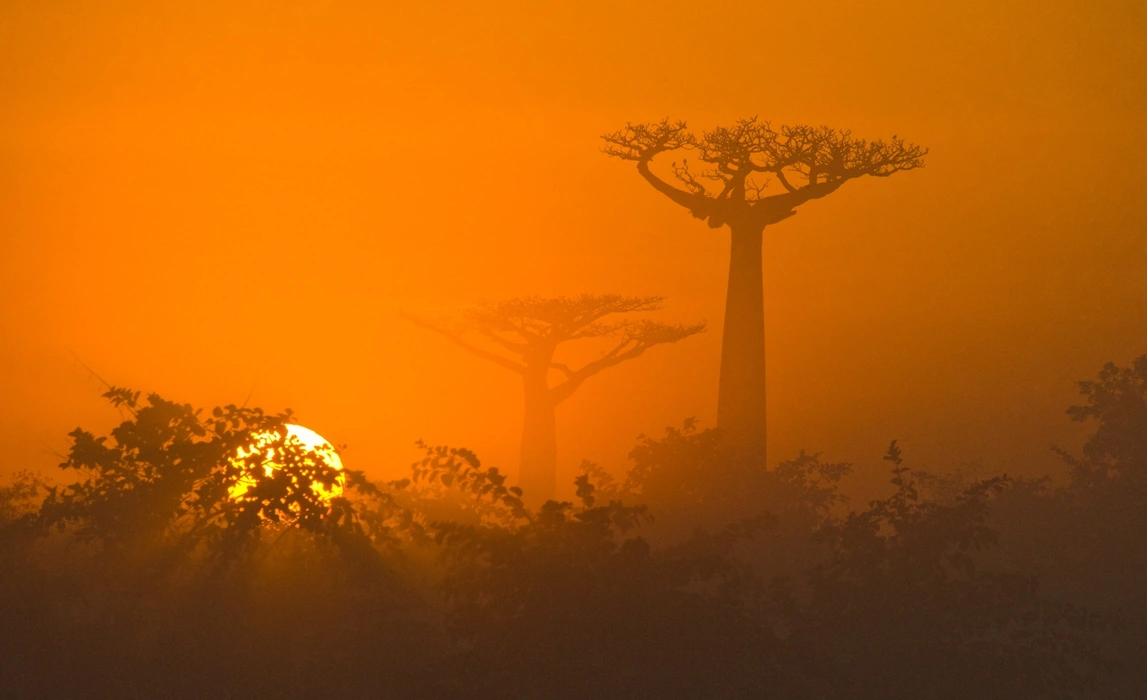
[(268, 444)]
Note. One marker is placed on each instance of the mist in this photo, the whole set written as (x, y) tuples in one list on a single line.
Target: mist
[(656, 299)]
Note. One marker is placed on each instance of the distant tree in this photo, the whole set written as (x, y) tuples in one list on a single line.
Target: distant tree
[(19, 499), (808, 163), (522, 335), (1095, 529), (1117, 401)]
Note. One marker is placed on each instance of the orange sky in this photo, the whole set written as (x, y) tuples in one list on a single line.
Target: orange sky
[(198, 198)]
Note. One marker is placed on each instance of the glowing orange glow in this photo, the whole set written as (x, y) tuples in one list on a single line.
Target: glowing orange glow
[(266, 444), (426, 157)]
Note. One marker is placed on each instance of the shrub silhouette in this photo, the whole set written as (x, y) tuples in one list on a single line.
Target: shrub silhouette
[(695, 575)]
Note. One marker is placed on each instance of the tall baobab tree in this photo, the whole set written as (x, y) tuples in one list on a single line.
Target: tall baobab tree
[(522, 335), (730, 190)]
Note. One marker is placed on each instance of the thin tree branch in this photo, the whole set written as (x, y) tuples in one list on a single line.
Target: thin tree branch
[(616, 356), (780, 173), (514, 346), (461, 342), (639, 337), (695, 203)]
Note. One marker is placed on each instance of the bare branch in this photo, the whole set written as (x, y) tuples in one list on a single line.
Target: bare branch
[(784, 180), (694, 202), (511, 317), (682, 173), (456, 338), (557, 319), (638, 337), (533, 327), (640, 142), (517, 347), (563, 368), (755, 192)]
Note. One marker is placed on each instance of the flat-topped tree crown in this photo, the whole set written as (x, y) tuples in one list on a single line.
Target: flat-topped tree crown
[(741, 161), (523, 334), (551, 320)]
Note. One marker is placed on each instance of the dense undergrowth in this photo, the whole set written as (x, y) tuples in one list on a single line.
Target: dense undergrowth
[(692, 576)]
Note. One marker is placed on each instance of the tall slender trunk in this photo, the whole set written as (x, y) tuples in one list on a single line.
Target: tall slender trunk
[(741, 391), (538, 475)]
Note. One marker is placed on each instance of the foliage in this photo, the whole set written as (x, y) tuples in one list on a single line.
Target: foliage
[(571, 603), (490, 499), (697, 575), (903, 575), (687, 476), (1116, 453), (18, 500)]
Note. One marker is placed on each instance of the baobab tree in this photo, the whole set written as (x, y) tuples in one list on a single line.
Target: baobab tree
[(730, 190), (522, 335)]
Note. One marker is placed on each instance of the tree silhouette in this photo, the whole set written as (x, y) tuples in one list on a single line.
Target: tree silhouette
[(169, 472), (808, 163), (447, 584), (1117, 452), (522, 336)]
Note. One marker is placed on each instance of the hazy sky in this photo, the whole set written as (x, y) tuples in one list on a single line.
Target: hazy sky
[(201, 198)]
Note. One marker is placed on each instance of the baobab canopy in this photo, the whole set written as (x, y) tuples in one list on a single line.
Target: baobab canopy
[(523, 334), (741, 162)]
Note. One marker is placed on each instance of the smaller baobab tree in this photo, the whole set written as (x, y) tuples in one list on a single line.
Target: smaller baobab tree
[(523, 335)]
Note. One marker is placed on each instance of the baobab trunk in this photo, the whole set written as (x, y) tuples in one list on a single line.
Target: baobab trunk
[(538, 467), (741, 391)]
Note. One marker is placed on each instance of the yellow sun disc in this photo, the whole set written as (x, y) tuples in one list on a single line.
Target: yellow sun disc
[(264, 444)]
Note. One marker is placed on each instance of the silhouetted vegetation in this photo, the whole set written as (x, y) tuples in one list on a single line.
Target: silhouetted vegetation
[(693, 575), (523, 335), (731, 189)]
